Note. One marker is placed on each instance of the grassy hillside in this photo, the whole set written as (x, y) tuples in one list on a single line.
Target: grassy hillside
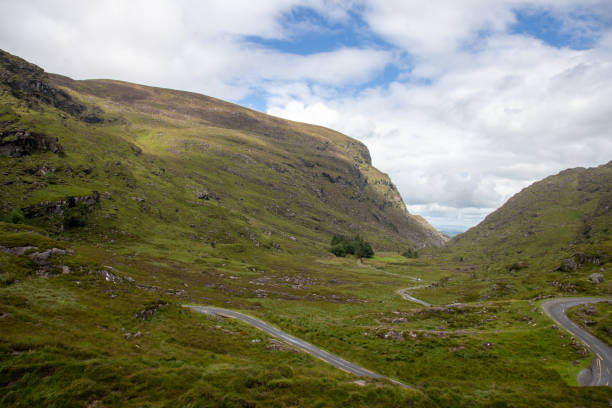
[(549, 217), (547, 239)]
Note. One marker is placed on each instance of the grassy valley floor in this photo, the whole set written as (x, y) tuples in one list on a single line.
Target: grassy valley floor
[(112, 331)]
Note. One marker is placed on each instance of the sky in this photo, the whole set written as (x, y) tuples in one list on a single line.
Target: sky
[(463, 103)]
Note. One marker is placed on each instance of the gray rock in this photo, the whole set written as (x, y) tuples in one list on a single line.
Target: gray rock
[(17, 251), (204, 195), (23, 143), (40, 257), (596, 278), (569, 265), (393, 335)]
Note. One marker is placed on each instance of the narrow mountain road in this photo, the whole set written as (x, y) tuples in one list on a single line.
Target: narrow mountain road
[(402, 293), (599, 372), (294, 341)]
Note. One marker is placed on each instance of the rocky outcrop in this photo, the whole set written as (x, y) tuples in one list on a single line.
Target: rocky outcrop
[(579, 259), (21, 143), (47, 208), (29, 82)]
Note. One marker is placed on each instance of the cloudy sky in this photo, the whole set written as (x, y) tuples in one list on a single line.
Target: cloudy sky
[(463, 103)]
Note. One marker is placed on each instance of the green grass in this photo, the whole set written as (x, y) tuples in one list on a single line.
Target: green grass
[(595, 318)]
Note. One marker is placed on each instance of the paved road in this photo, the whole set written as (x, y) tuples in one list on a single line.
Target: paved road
[(294, 341), (402, 293), (599, 371)]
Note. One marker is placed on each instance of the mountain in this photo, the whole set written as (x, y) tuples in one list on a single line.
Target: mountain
[(168, 165), (559, 217)]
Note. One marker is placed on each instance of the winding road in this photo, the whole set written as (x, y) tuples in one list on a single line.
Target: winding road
[(599, 371), (402, 293), (294, 341)]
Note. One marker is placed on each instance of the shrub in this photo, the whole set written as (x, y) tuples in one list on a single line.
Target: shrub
[(75, 216), (15, 216), (410, 253)]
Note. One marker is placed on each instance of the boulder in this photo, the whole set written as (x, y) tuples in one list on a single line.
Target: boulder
[(596, 278), (393, 335)]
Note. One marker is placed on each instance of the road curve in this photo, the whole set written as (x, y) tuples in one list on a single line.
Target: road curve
[(599, 372), (294, 341), (402, 293)]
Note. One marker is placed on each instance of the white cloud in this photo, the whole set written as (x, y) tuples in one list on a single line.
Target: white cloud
[(193, 45), (513, 112)]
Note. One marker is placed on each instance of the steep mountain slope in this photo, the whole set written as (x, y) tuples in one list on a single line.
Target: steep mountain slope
[(189, 165), (565, 210), (546, 240)]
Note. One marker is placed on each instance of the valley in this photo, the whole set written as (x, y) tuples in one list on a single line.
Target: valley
[(121, 204)]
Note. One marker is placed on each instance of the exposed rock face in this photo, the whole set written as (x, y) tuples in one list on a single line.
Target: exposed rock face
[(42, 258), (30, 83), (47, 208), (579, 259), (23, 143)]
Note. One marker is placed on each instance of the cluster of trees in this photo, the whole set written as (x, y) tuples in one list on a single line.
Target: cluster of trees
[(342, 246)]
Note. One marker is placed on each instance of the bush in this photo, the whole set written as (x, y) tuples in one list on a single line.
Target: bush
[(410, 253), (75, 216), (342, 246), (15, 216)]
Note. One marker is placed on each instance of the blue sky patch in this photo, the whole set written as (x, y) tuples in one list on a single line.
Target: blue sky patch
[(554, 30), (308, 33)]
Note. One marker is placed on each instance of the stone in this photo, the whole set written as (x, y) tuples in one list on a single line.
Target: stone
[(65, 269), (596, 278), (40, 257), (17, 251), (569, 265), (203, 195), (393, 335)]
